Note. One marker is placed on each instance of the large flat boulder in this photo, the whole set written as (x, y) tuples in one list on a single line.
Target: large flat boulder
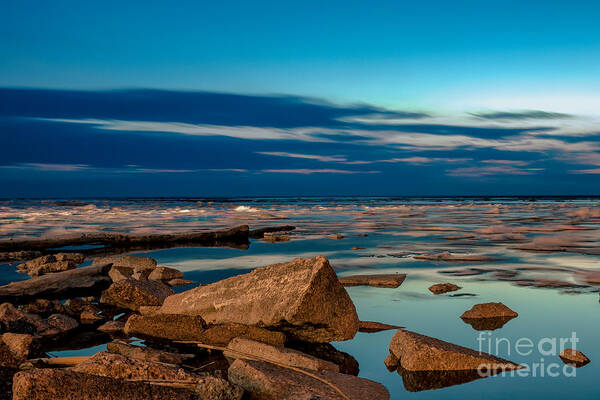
[(62, 384), (416, 352), (269, 382), (302, 297), (132, 293), (240, 347), (84, 281), (165, 326)]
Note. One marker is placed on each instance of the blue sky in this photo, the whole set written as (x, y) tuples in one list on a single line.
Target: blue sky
[(266, 98)]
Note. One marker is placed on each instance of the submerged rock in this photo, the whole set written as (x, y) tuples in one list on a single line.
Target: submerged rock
[(132, 293), (372, 327), (417, 352), (417, 381), (166, 326), (378, 280), (303, 298), (62, 384), (442, 288), (574, 357), (240, 347), (269, 382)]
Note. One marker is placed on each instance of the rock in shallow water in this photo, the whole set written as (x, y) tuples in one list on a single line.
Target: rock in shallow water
[(270, 382), (378, 280), (442, 288), (574, 357), (302, 297), (488, 316), (135, 262), (417, 352)]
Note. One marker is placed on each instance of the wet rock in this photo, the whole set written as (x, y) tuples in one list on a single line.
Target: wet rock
[(441, 288), (337, 236), (372, 327), (118, 366), (270, 382), (487, 324), (113, 327), (118, 273), (391, 362), (18, 255), (62, 322), (165, 326), (165, 274), (146, 353), (135, 262), (83, 281), (88, 313), (303, 297), (260, 233), (51, 263), (417, 352), (222, 334), (244, 347), (574, 357), (276, 238), (131, 294), (180, 282), (13, 320), (61, 384), (489, 310), (378, 280), (325, 351)]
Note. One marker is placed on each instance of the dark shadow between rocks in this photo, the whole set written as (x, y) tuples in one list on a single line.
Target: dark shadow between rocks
[(487, 324)]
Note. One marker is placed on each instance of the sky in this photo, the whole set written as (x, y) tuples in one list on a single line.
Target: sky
[(263, 98)]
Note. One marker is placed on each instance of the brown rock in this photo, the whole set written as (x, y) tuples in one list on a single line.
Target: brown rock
[(371, 327), (135, 262), (165, 274), (302, 297), (166, 326), (379, 280), (442, 288), (61, 384), (131, 294), (83, 281), (337, 236), (270, 382), (423, 353), (20, 345), (276, 238), (241, 348), (118, 366), (325, 351), (149, 310), (222, 334), (489, 310), (574, 357), (146, 353), (112, 327), (62, 322), (43, 307), (391, 362), (180, 282), (13, 320), (51, 263), (118, 273)]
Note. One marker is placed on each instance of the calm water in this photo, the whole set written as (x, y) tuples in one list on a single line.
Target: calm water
[(539, 242)]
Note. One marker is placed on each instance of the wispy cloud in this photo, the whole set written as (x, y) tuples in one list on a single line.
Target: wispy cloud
[(491, 170), (48, 167), (424, 160), (305, 156), (585, 171), (316, 171), (514, 163), (521, 115)]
